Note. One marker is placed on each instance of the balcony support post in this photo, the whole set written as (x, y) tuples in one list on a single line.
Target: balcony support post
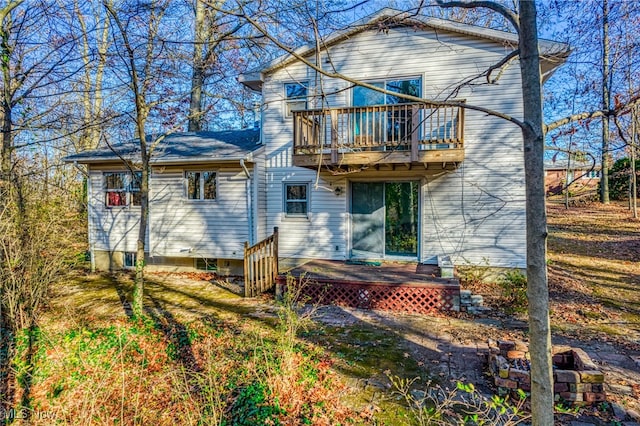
[(415, 126), (334, 137)]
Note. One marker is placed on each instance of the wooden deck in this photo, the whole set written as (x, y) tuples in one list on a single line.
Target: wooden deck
[(406, 287), (386, 273)]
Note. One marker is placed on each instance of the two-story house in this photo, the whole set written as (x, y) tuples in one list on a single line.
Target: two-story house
[(344, 171)]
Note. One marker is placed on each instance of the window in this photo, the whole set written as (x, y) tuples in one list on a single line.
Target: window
[(591, 174), (201, 185), (295, 97), (363, 96), (122, 189), (296, 199), (207, 264), (395, 125), (130, 259)]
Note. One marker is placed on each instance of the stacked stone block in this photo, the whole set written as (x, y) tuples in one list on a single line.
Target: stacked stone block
[(472, 303), (509, 365), (576, 378)]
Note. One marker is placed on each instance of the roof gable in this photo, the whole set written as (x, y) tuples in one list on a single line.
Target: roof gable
[(553, 53)]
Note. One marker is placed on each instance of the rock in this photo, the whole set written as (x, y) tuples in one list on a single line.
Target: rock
[(592, 376), (567, 376)]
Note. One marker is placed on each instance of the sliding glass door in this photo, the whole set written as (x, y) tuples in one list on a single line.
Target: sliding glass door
[(384, 219)]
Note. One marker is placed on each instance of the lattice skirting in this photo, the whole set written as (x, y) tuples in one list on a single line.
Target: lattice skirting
[(413, 298)]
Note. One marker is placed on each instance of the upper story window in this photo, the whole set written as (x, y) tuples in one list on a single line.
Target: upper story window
[(201, 185), (363, 96), (296, 199), (394, 124), (295, 97), (122, 188)]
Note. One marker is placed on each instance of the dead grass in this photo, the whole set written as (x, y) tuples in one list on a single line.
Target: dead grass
[(594, 274), (206, 354), (202, 355)]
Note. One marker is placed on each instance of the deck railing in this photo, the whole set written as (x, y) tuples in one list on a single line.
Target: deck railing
[(411, 127), (261, 265)]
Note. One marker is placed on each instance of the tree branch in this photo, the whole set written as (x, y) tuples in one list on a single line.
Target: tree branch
[(357, 82), (509, 14), (619, 110)]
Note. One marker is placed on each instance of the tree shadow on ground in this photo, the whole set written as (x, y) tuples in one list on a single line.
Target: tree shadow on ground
[(174, 331)]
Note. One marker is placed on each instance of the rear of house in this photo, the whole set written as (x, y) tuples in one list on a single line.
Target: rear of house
[(344, 171)]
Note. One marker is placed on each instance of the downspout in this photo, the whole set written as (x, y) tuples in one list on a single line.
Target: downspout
[(92, 256), (249, 191)]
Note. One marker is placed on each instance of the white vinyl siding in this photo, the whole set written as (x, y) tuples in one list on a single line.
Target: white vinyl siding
[(180, 228), (177, 228), (316, 235)]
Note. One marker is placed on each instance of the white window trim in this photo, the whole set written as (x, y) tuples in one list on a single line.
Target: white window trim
[(384, 80), (124, 259), (287, 101), (201, 184), (284, 200), (128, 182)]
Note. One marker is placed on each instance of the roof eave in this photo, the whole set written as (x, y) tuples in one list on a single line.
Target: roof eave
[(252, 80)]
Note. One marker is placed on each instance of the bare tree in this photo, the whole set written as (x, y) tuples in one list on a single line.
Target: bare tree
[(147, 62), (606, 105), (35, 44), (92, 80)]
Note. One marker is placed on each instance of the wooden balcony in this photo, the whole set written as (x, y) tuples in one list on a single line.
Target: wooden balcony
[(412, 133)]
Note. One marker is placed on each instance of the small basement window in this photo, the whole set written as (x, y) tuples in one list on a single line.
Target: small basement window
[(130, 259), (207, 264)]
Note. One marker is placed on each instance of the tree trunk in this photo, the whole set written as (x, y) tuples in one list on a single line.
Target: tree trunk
[(606, 105), (634, 141), (138, 291), (197, 78), (537, 288)]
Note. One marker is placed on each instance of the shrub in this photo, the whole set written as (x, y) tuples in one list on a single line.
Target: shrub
[(474, 274), (619, 178), (463, 405), (514, 290)]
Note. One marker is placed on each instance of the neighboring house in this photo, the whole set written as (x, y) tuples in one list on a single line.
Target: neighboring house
[(580, 175), (343, 171)]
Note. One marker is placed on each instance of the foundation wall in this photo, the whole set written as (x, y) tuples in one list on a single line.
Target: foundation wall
[(115, 260)]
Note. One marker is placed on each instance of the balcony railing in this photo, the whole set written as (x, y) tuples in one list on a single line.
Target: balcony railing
[(401, 133)]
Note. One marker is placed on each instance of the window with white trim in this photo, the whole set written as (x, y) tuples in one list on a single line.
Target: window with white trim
[(295, 97), (200, 185), (122, 188), (296, 199), (130, 259)]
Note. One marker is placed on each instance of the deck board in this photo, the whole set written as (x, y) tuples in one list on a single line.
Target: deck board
[(405, 273)]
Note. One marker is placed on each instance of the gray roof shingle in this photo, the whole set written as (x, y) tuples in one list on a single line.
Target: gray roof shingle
[(231, 145)]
